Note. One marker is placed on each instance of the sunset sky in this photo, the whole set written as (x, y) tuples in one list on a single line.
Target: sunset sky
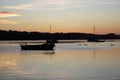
[(62, 15)]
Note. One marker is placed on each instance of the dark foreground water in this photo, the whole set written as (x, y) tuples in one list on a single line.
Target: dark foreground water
[(69, 61)]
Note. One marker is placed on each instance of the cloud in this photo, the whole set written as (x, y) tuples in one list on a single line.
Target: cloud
[(92, 3), (39, 5), (22, 7), (111, 3), (8, 14), (60, 4), (8, 22)]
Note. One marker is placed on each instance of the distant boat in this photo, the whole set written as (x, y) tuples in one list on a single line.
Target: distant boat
[(46, 46), (94, 39)]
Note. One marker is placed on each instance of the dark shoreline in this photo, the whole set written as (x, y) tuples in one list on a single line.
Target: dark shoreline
[(18, 35)]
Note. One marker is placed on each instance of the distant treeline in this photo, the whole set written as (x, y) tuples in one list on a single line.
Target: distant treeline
[(22, 35)]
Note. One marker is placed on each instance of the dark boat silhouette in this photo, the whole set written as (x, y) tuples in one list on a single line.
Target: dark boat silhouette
[(94, 39), (49, 45)]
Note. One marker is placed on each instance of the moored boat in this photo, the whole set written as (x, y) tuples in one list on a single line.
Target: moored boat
[(46, 46), (94, 38)]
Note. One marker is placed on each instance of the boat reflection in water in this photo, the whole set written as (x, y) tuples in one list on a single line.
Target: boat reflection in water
[(48, 52)]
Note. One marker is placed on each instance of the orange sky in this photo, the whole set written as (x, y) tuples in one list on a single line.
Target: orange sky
[(62, 15)]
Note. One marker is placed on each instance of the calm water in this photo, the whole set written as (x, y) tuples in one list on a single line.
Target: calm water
[(69, 61)]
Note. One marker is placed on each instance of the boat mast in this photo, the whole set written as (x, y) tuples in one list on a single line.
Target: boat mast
[(94, 29), (50, 29)]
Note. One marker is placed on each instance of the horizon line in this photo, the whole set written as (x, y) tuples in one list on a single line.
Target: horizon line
[(62, 32)]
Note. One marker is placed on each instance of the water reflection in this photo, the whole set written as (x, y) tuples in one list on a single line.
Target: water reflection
[(94, 51), (74, 62), (8, 61), (8, 64), (38, 52)]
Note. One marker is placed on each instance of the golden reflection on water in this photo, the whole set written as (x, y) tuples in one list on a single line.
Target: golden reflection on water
[(81, 56), (62, 65), (8, 64), (8, 61)]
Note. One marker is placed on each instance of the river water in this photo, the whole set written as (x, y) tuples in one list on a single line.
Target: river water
[(69, 61)]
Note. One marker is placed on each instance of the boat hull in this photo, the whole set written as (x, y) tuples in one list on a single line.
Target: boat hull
[(95, 40), (46, 46)]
